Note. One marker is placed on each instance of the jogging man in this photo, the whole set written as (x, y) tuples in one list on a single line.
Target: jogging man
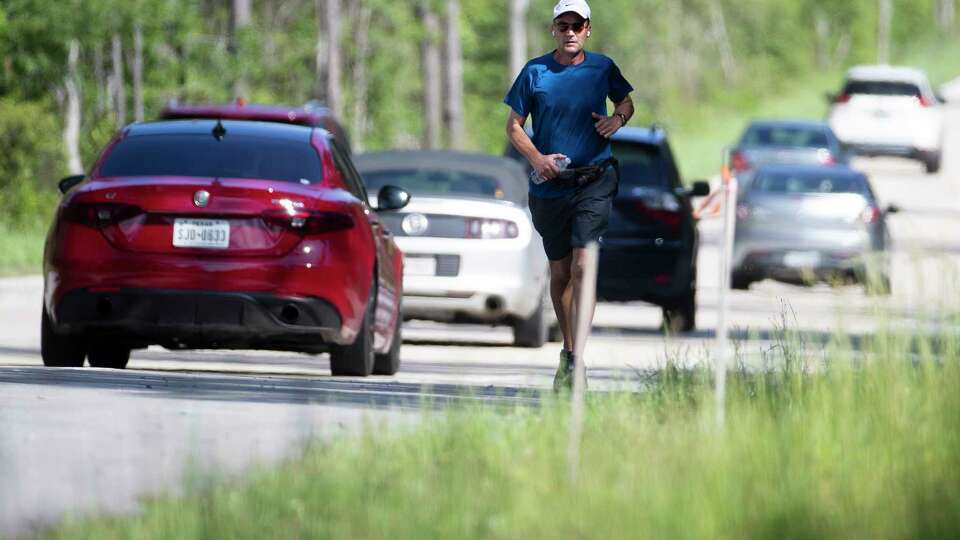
[(566, 93)]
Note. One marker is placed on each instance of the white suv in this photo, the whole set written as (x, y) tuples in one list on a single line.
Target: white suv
[(889, 111)]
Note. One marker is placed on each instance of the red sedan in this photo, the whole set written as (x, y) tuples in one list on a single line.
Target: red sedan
[(229, 234)]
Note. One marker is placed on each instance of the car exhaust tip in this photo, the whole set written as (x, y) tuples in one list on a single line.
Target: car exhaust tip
[(290, 314), (494, 303), (104, 307)]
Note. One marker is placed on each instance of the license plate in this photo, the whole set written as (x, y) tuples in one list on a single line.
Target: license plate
[(802, 259), (201, 233), (420, 266)]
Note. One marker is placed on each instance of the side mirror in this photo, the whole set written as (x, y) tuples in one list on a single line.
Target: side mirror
[(392, 198), (830, 97), (700, 189), (893, 209), (70, 181)]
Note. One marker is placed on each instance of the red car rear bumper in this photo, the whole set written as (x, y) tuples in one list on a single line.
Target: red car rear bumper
[(305, 300)]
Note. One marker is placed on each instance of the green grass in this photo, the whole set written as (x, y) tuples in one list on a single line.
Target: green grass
[(850, 448), (21, 249)]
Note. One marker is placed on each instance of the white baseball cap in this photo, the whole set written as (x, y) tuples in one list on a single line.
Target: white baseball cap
[(579, 7)]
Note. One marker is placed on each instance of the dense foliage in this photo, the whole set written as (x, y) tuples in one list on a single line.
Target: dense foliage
[(677, 53)]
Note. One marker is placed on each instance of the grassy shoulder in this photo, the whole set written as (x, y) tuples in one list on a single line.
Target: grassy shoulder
[(21, 249), (838, 450)]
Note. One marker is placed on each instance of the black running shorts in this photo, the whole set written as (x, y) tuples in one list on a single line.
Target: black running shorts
[(574, 219)]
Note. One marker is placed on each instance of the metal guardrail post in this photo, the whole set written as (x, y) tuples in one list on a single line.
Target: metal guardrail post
[(729, 213), (588, 293)]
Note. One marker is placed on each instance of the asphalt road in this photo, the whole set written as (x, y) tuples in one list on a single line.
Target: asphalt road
[(74, 441)]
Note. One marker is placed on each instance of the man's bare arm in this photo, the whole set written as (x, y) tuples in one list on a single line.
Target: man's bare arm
[(544, 165), (608, 125)]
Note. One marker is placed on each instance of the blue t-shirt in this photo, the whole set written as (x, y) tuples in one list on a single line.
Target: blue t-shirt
[(560, 100)]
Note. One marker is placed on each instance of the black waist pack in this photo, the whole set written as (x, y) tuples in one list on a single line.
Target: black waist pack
[(581, 176)]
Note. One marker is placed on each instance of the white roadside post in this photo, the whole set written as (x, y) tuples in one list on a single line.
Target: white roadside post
[(588, 294), (729, 213)]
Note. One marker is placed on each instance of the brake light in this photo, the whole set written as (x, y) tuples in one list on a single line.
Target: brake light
[(309, 222), (100, 215), (825, 157), (870, 215), (663, 208), (739, 162), (841, 98), (743, 211), (491, 228), (924, 101)]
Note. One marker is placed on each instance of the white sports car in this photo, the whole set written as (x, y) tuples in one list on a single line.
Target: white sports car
[(890, 111), (471, 254)]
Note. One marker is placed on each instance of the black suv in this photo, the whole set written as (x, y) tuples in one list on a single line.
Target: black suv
[(649, 252)]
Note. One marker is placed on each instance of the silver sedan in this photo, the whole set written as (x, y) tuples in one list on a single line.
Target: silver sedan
[(804, 223)]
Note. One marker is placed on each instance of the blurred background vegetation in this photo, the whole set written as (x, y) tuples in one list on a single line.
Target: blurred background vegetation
[(417, 73)]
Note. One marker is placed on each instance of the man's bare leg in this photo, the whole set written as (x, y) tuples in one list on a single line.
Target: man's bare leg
[(561, 293), (577, 269), (566, 276)]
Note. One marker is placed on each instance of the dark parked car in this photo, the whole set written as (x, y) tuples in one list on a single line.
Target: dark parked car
[(222, 234), (649, 252), (787, 141)]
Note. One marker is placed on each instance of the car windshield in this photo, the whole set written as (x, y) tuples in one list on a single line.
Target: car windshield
[(437, 182), (235, 156), (881, 88), (640, 164), (785, 136), (804, 183)]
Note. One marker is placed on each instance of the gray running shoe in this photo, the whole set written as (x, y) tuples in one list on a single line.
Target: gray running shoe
[(563, 379)]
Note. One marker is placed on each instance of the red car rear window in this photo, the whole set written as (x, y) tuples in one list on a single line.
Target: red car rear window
[(236, 156)]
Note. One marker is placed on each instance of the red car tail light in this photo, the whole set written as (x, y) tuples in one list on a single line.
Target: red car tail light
[(841, 98), (924, 102), (100, 214), (739, 162), (491, 228), (870, 215), (309, 222)]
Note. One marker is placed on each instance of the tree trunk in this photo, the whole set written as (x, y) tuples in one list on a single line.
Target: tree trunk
[(518, 36), (728, 61), (946, 12), (101, 80), (136, 68), (454, 76), (432, 86), (320, 54), (241, 17), (334, 96), (71, 121), (884, 22), (361, 38), (119, 89)]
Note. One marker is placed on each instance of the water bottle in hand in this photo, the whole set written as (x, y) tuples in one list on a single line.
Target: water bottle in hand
[(562, 164)]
